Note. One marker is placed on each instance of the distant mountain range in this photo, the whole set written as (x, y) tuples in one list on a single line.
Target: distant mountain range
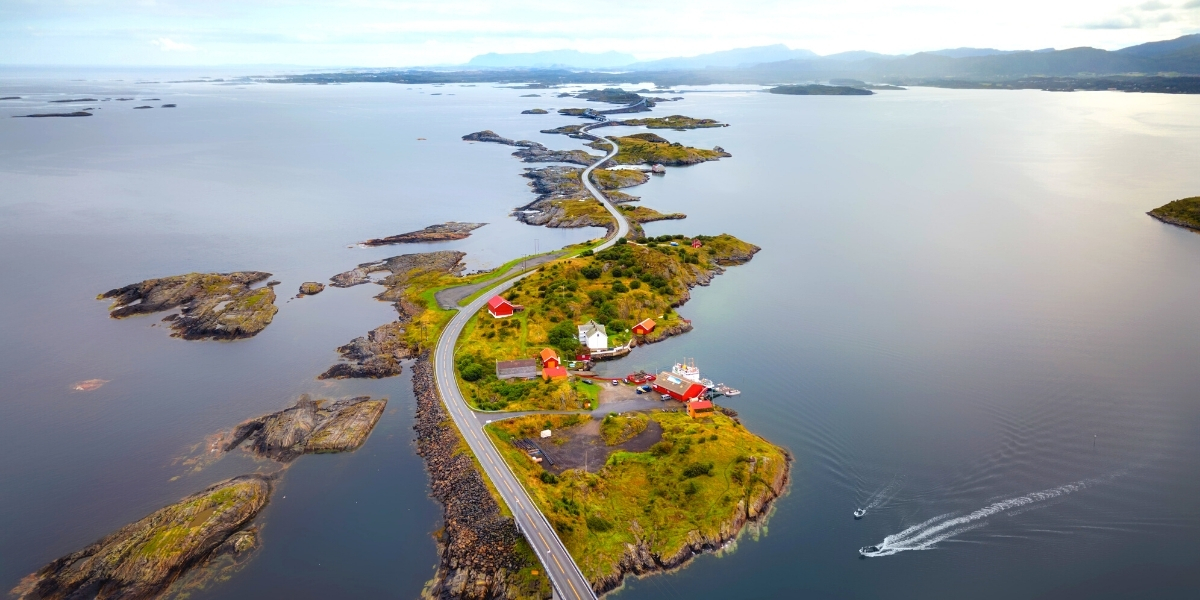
[(778, 63)]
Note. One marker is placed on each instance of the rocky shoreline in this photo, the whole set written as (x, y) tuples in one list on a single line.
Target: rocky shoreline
[(310, 427), (477, 557)]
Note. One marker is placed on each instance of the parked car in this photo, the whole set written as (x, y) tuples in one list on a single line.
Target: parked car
[(615, 382), (586, 381)]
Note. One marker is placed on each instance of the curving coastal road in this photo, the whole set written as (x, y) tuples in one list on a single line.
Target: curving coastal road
[(565, 576)]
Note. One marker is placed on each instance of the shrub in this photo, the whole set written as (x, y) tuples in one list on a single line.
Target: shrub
[(635, 284), (617, 325), (662, 448), (691, 488), (587, 252), (472, 372), (619, 287), (548, 477), (598, 524), (591, 272), (697, 469), (622, 241)]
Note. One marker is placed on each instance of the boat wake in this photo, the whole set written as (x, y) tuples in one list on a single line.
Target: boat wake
[(925, 536)]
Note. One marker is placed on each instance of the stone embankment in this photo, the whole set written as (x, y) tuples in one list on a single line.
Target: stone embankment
[(639, 559), (142, 559), (310, 427), (477, 543), (211, 305)]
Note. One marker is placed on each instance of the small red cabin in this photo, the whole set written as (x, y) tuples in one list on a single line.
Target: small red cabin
[(549, 359), (499, 307), (696, 243), (644, 327), (700, 408)]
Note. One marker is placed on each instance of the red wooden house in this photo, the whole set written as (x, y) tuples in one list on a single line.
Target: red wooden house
[(549, 359), (499, 307), (700, 408), (644, 327), (696, 243)]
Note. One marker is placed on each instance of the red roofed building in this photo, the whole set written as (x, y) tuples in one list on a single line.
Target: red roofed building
[(696, 243), (553, 372), (700, 408), (499, 307), (644, 327), (549, 359), (677, 387)]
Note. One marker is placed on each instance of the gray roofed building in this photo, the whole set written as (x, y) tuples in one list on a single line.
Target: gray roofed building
[(593, 335), (514, 369)]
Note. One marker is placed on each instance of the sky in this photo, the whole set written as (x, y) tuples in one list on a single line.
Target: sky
[(397, 33)]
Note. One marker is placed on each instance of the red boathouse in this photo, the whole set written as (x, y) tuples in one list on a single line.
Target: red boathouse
[(499, 307), (677, 387)]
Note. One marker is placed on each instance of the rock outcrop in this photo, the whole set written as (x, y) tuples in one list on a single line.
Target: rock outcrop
[(401, 267), (78, 113), (142, 559), (477, 543), (211, 305), (311, 288), (310, 427), (532, 152), (441, 232), (374, 356), (535, 111)]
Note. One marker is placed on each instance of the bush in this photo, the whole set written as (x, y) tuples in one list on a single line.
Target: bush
[(617, 325), (622, 241), (697, 469), (662, 448), (635, 284), (587, 252), (548, 477), (563, 337), (619, 288), (591, 272), (691, 488), (598, 525), (472, 372)]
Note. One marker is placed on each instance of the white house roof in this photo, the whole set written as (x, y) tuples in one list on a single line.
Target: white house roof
[(591, 328)]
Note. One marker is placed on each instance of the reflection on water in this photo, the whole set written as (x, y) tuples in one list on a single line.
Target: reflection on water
[(960, 304)]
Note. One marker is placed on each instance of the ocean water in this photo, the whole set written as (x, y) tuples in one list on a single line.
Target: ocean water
[(961, 317)]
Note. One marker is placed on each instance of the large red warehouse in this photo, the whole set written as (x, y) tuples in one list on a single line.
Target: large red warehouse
[(677, 387)]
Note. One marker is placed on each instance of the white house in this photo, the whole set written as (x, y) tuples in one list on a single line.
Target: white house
[(593, 335)]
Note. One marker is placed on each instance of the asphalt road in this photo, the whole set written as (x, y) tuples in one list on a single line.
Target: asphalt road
[(564, 574)]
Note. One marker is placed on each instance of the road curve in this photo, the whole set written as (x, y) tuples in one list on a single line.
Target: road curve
[(565, 576), (622, 224)]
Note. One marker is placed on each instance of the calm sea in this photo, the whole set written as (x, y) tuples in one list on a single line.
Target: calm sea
[(961, 318)]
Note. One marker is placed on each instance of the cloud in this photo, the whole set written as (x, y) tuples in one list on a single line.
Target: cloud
[(169, 45), (1192, 4), (1153, 5)]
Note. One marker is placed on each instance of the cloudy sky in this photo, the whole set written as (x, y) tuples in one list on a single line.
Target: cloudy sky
[(379, 33)]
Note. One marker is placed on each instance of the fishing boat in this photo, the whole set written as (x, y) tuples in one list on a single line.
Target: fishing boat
[(858, 513)]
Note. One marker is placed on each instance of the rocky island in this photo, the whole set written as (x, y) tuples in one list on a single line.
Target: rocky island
[(78, 113), (442, 232), (819, 90), (142, 559), (650, 148), (1181, 213), (532, 151), (677, 122), (535, 111), (310, 427), (220, 306)]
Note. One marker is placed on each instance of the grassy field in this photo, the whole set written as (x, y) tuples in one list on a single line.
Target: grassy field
[(694, 483), (617, 287), (1185, 212)]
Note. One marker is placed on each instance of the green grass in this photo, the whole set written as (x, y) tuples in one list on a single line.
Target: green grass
[(620, 428), (1185, 212), (692, 481)]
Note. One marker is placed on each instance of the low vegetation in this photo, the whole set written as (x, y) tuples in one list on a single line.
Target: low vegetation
[(616, 429), (617, 287), (1184, 213), (613, 179), (695, 487), (678, 122), (650, 148)]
